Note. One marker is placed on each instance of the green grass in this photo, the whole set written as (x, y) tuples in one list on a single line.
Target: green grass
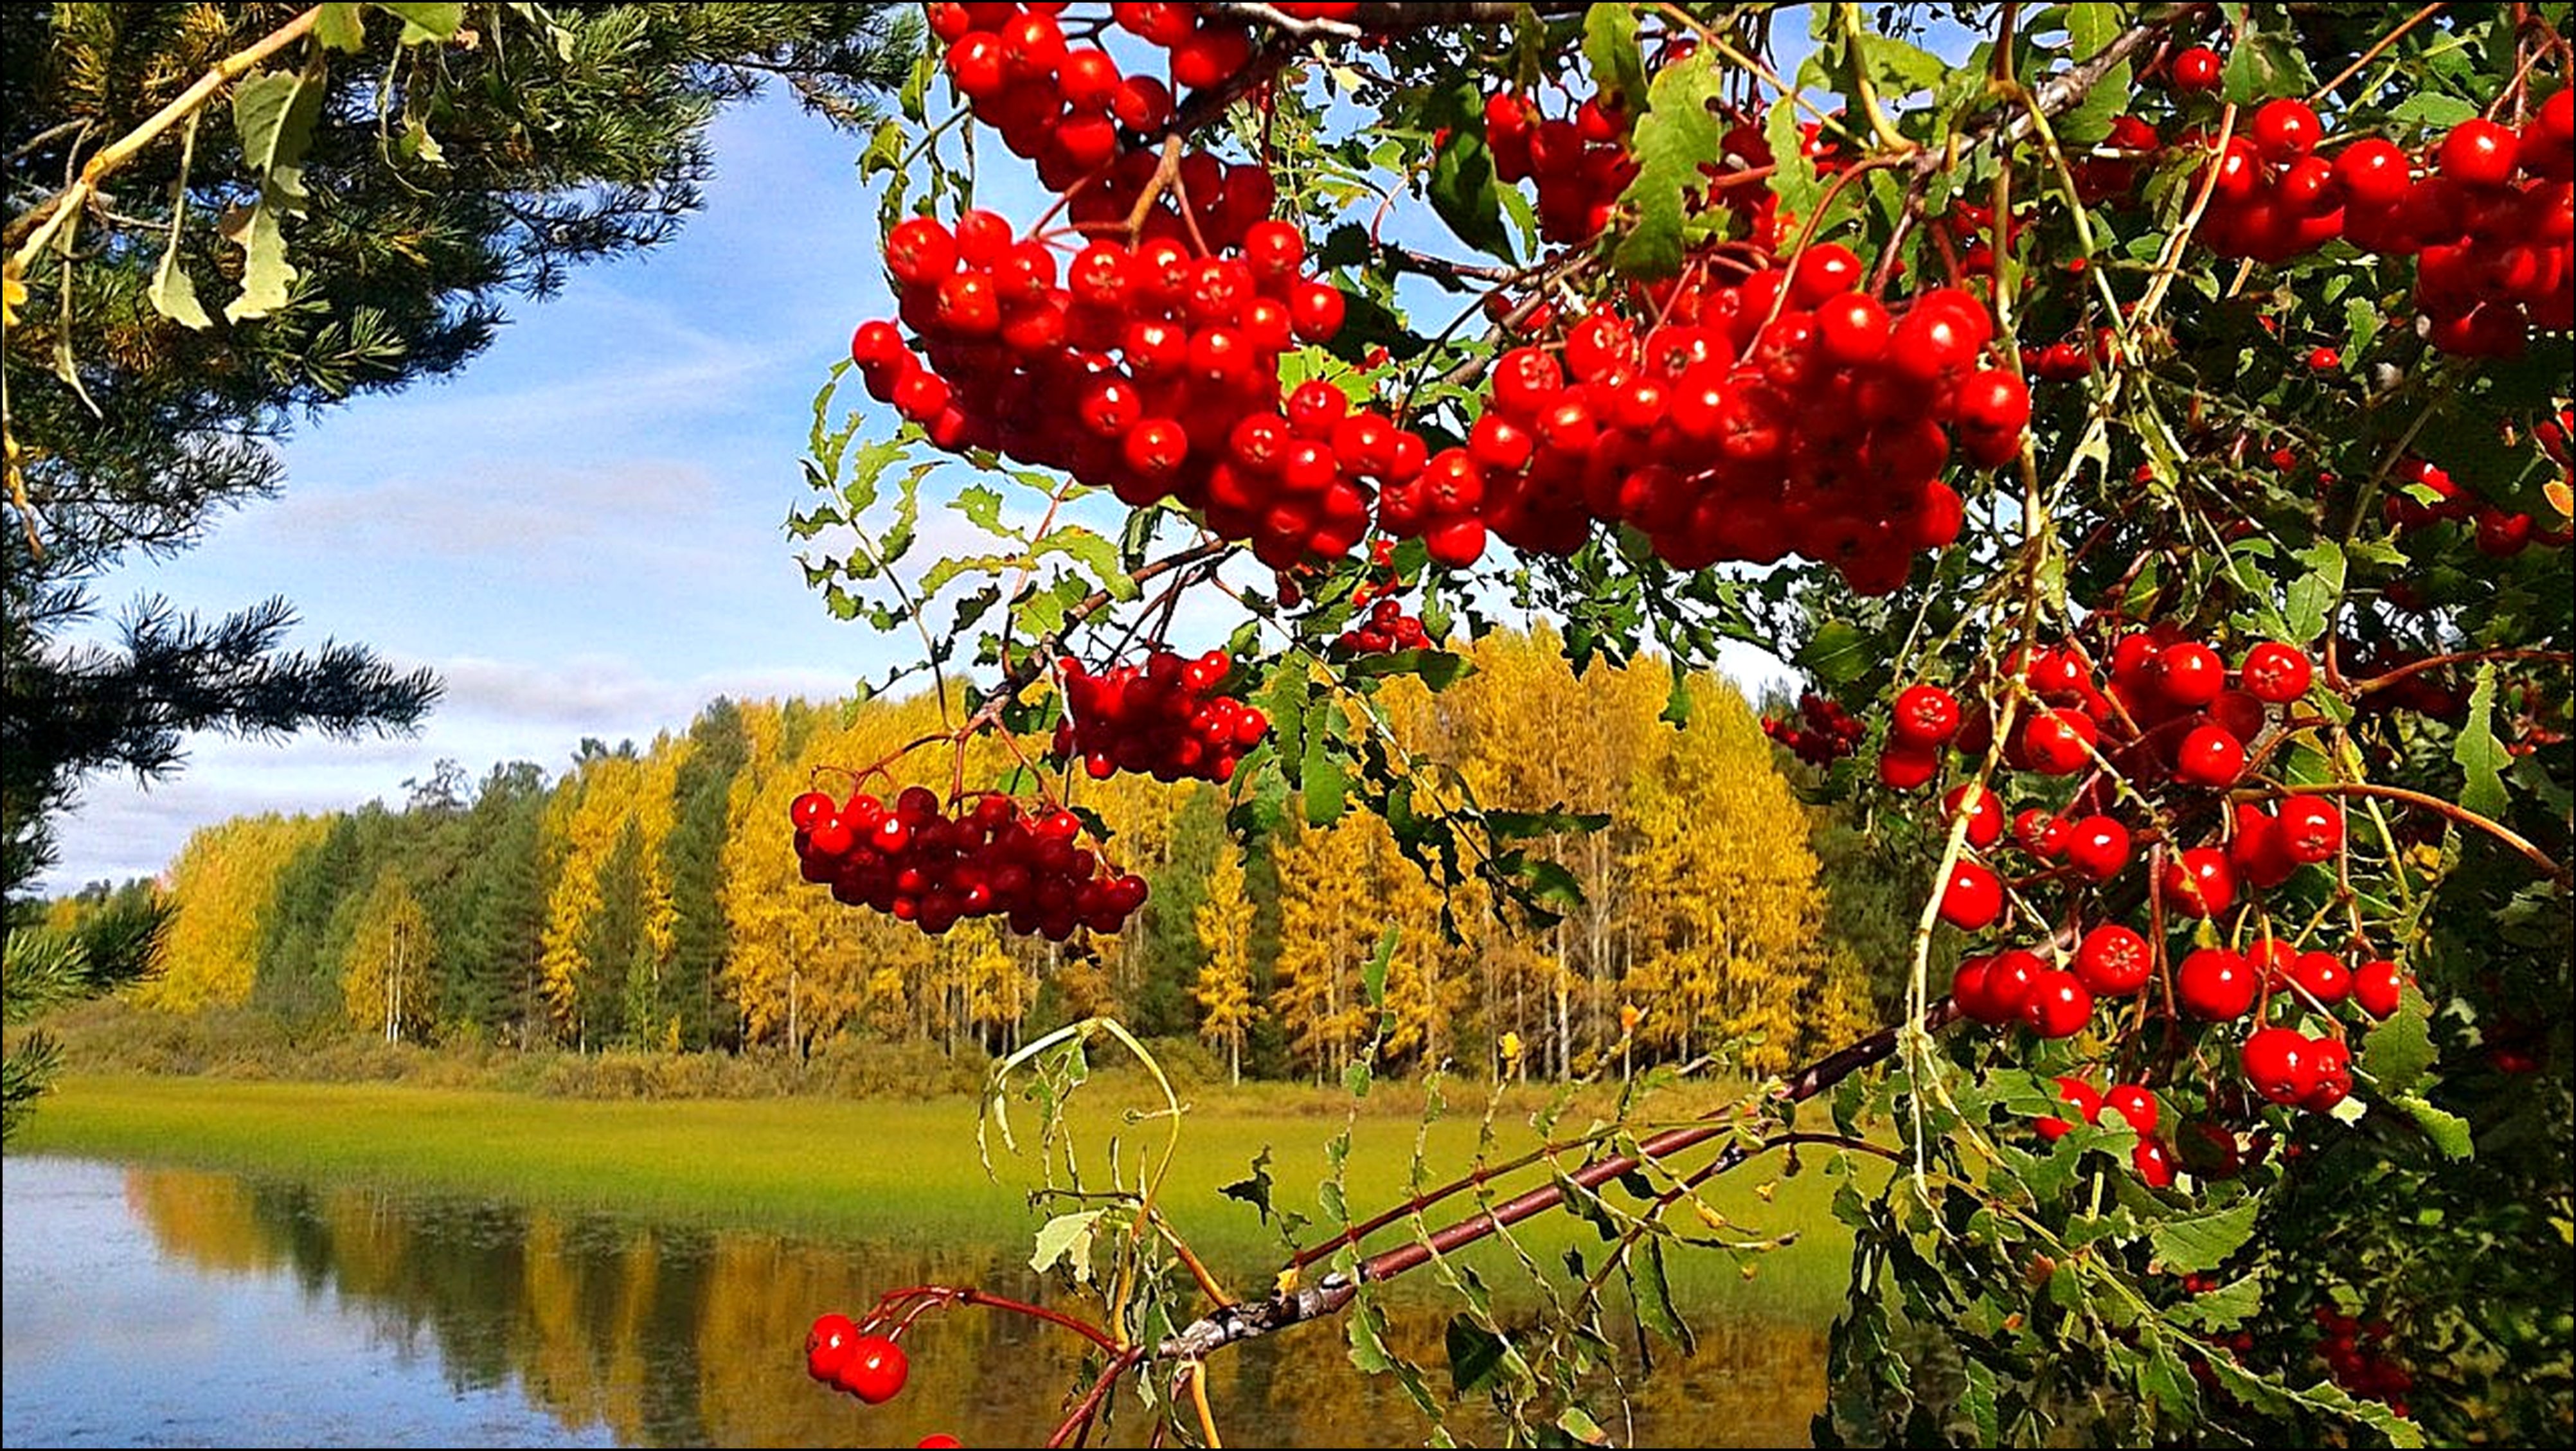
[(901, 1172)]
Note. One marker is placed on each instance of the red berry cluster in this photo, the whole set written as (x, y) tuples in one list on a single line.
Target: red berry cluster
[(871, 1367), (1581, 164), (1166, 718), (2488, 222), (1388, 627), (2356, 1354), (2137, 1107), (2175, 724), (1822, 734), (1169, 357), (2498, 533), (1061, 105), (1776, 411), (990, 860)]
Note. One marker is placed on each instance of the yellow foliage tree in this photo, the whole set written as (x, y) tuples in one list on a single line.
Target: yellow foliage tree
[(224, 882), (1224, 989), (386, 975)]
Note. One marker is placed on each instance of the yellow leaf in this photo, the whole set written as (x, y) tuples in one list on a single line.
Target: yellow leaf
[(1286, 1284)]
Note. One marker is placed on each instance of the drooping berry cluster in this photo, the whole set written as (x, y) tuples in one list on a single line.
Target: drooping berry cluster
[(1168, 718), (1822, 734), (1779, 411), (1387, 628), (1581, 164), (2487, 221), (2137, 1107), (2168, 728), (2357, 1355), (992, 859)]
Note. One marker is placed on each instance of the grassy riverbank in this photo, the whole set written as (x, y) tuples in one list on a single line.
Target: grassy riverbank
[(900, 1171)]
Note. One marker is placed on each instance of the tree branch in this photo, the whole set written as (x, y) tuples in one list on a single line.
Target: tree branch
[(1232, 1324)]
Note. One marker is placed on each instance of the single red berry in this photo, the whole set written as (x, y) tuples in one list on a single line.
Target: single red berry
[(2196, 70), (2190, 674), (1902, 767), (2133, 1102), (2275, 673), (2200, 882), (2059, 742), (2216, 985), (2210, 757), (2276, 1062), (2056, 1004), (1926, 716), (828, 1346), (875, 1369), (1985, 814), (2154, 1162), (2285, 129), (2322, 976), (2480, 153), (2379, 986), (807, 811), (2309, 829), (1972, 898), (2113, 960), (2098, 847)]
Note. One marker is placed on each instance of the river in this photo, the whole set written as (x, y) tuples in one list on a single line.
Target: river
[(157, 1306)]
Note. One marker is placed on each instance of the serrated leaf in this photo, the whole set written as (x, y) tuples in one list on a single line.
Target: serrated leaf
[(2432, 110), (2165, 1384), (1094, 553), (172, 294), (2221, 1308), (1652, 1289), (2313, 595), (982, 507), (1067, 1239), (340, 27), (1356, 1078), (1676, 135), (2448, 1131), (1677, 701), (1475, 1356), (2203, 1241), (2398, 1051), (2265, 63), (2479, 754), (1610, 50), (1254, 1188), (273, 114), (1838, 653), (1367, 1333), (1462, 173), (1373, 974), (428, 22)]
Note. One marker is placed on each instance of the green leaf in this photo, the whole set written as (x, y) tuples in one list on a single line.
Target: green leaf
[(172, 294), (2448, 1131), (2266, 63), (1438, 669), (1475, 1354), (1839, 653), (1677, 133), (1254, 1188), (1366, 1327), (1462, 173), (2398, 1051), (1093, 552), (2203, 1241), (1523, 825), (1067, 1239), (2226, 1306), (2479, 753), (1321, 777), (2165, 1384), (1610, 50), (2432, 110), (273, 112), (982, 507), (428, 22), (340, 27), (2313, 595), (1653, 1291), (1677, 701), (1373, 975)]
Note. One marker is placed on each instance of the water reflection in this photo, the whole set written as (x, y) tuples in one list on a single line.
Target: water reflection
[(659, 1335)]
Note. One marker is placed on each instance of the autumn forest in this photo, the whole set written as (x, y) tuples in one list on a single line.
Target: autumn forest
[(648, 898)]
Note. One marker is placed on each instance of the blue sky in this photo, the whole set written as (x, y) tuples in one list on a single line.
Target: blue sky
[(581, 532)]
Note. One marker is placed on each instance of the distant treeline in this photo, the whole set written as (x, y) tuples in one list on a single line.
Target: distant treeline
[(650, 899)]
